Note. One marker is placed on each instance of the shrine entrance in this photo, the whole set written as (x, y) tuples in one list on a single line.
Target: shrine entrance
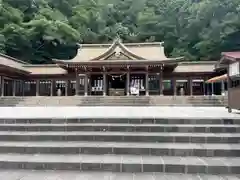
[(117, 85)]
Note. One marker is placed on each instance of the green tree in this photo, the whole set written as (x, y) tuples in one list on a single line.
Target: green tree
[(38, 30)]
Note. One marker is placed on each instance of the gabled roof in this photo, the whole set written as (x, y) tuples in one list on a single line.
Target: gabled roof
[(26, 68), (45, 69), (117, 51), (235, 55), (12, 63), (198, 67), (229, 57)]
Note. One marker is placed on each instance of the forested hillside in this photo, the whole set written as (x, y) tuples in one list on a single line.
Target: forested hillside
[(38, 30)]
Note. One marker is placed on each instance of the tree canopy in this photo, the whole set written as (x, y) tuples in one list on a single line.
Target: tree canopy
[(38, 30)]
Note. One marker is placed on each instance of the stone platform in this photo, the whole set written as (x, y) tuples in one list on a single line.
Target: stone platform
[(117, 112)]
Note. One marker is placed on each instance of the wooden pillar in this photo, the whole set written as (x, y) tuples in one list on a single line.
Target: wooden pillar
[(190, 82), (204, 87), (128, 83), (229, 86), (52, 88), (104, 84), (77, 83), (90, 84), (37, 87), (14, 87), (161, 81), (207, 88), (86, 85), (2, 85), (66, 87), (146, 83), (55, 88), (174, 82), (212, 88), (222, 88), (23, 87)]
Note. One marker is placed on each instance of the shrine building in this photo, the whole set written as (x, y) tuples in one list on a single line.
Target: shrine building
[(111, 70)]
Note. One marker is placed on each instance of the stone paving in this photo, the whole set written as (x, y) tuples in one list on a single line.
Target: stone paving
[(66, 175), (120, 112)]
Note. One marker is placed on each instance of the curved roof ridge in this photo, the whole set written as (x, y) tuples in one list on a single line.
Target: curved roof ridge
[(159, 45), (116, 43), (130, 52), (140, 51), (108, 51)]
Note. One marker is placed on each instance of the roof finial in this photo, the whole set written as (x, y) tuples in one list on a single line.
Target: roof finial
[(117, 39)]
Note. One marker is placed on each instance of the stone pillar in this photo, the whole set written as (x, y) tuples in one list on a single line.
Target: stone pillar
[(14, 87), (222, 88), (37, 87), (2, 86), (128, 81), (86, 85), (146, 84), (77, 84), (104, 84), (161, 81), (174, 86), (190, 82), (212, 88), (66, 87)]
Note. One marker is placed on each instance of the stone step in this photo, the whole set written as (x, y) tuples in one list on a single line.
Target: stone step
[(198, 128), (124, 104), (114, 101), (76, 175), (225, 121), (121, 148), (122, 163), (143, 100), (103, 104), (121, 137)]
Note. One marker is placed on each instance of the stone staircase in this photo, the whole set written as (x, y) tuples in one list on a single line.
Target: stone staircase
[(189, 101), (10, 101), (187, 146), (115, 101)]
